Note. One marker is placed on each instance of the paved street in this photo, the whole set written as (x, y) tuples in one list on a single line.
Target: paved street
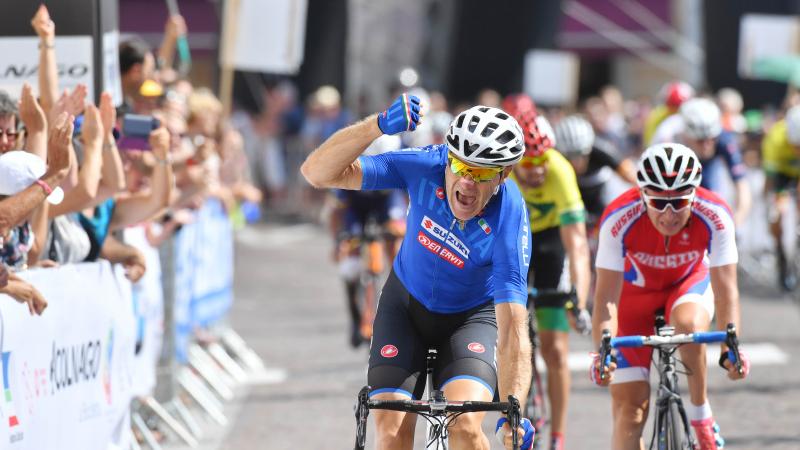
[(290, 309)]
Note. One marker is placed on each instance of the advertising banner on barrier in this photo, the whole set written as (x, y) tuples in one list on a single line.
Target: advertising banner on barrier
[(203, 273), (66, 376), (148, 309)]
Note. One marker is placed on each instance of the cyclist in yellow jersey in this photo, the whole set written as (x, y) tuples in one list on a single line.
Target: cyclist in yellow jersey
[(560, 269), (781, 160), (674, 94)]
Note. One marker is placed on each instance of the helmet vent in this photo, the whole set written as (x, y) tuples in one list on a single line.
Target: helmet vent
[(489, 129), (473, 123), (506, 137)]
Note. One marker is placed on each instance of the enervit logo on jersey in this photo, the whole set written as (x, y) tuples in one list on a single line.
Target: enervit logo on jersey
[(437, 249), (441, 233)]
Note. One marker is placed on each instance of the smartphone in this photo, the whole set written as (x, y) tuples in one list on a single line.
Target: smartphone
[(136, 131)]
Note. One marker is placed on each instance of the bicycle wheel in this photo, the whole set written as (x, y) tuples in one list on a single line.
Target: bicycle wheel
[(672, 434)]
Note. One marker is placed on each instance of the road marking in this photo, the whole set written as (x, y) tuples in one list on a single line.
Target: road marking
[(265, 376), (269, 238), (760, 354)]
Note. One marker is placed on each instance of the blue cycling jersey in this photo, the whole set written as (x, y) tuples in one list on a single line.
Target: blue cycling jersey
[(725, 149), (446, 268)]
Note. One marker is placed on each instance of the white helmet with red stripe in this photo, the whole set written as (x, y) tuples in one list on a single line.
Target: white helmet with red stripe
[(669, 167)]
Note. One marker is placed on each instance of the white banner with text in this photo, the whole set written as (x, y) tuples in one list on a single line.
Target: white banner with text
[(67, 375)]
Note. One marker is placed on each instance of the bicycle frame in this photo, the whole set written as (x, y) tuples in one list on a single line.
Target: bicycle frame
[(667, 394), (665, 343)]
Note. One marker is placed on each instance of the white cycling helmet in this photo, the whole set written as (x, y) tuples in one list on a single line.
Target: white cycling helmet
[(669, 167), (486, 137), (702, 118), (793, 125), (575, 136)]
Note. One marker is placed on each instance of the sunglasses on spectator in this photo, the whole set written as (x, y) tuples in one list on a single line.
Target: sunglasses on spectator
[(478, 174), (529, 162), (660, 204), (11, 134)]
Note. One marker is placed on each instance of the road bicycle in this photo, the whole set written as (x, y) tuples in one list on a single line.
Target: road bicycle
[(436, 410), (671, 430)]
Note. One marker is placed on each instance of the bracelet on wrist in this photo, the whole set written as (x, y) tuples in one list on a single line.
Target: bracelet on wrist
[(164, 162), (47, 45), (46, 187)]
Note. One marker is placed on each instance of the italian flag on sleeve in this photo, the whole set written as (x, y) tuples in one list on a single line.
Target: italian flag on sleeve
[(484, 226)]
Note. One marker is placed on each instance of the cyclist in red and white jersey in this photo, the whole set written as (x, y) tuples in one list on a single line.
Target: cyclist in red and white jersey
[(668, 244)]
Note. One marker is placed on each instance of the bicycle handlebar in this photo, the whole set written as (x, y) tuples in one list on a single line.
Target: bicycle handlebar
[(511, 408), (418, 406), (702, 337)]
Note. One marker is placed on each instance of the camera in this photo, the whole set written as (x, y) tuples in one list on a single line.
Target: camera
[(136, 131)]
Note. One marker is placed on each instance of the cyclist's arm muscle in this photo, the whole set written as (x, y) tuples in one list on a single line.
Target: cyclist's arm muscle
[(573, 236), (726, 295), (334, 163), (513, 350), (606, 299)]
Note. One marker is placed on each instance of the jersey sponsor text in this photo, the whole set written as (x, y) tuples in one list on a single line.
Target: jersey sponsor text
[(669, 261), (436, 248), (442, 234)]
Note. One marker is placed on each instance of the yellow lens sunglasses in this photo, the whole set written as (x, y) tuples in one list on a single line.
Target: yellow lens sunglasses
[(478, 174)]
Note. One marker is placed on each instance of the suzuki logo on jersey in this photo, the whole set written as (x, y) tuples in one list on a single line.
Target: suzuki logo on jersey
[(710, 214), (437, 249), (441, 233), (476, 347), (440, 193), (389, 351), (670, 261)]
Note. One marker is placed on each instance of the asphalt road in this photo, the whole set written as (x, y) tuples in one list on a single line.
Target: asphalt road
[(290, 308)]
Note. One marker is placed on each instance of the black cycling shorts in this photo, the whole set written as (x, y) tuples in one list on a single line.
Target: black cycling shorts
[(548, 270), (403, 332)]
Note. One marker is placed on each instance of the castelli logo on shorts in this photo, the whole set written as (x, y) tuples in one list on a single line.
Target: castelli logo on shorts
[(389, 351), (440, 193), (476, 347)]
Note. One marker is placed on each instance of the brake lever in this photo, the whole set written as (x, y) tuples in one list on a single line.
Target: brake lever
[(605, 352), (514, 420), (732, 342)]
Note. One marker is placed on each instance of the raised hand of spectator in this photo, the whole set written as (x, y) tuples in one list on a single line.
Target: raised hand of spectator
[(108, 114), (175, 26), (70, 102), (43, 25), (3, 276), (159, 141), (92, 129), (30, 112), (58, 144)]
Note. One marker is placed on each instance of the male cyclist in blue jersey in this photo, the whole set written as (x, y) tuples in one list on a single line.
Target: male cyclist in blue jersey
[(459, 282)]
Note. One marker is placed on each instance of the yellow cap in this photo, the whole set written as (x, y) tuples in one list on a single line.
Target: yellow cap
[(151, 88)]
